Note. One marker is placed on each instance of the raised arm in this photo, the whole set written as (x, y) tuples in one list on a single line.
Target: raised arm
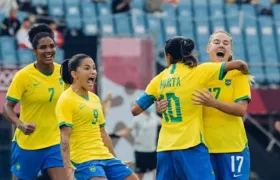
[(237, 64)]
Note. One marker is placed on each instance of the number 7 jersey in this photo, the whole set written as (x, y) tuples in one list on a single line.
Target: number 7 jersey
[(182, 126), (37, 94)]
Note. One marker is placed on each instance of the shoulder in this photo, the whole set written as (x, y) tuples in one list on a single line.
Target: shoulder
[(94, 96), (24, 72)]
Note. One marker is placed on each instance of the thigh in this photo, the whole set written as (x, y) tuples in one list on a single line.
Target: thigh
[(26, 164), (116, 169), (215, 165), (165, 166), (193, 163), (89, 170), (57, 173), (234, 165)]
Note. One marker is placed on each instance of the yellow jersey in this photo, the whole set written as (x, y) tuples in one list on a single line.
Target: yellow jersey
[(182, 122), (85, 117), (37, 94), (225, 133)]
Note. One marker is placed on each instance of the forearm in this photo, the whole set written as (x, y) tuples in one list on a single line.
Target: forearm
[(11, 116), (65, 150), (230, 108), (108, 143)]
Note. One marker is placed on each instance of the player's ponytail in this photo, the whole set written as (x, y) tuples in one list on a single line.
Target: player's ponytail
[(180, 49), (187, 46), (65, 72)]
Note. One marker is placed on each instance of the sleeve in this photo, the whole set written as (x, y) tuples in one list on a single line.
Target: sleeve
[(208, 72), (242, 90), (64, 112), (150, 95), (17, 87)]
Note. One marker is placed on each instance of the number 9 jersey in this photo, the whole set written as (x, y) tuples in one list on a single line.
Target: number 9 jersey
[(182, 126), (37, 94)]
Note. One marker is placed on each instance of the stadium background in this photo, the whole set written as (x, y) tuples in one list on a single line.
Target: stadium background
[(127, 47)]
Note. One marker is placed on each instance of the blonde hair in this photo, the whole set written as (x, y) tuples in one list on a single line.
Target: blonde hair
[(222, 31)]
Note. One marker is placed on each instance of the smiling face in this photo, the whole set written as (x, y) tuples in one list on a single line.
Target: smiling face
[(86, 74), (45, 51), (219, 47)]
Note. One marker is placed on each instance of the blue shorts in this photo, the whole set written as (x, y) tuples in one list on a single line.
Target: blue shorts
[(109, 169), (26, 164), (191, 164), (229, 166)]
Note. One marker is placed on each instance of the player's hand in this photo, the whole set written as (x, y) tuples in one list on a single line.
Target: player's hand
[(203, 97), (27, 128), (70, 171), (161, 105)]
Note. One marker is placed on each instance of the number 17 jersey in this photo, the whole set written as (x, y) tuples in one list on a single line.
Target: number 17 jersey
[(37, 94), (182, 126)]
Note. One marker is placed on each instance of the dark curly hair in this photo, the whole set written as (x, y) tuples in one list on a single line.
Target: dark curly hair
[(39, 31)]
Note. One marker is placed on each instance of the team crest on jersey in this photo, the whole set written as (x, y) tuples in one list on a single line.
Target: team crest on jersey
[(60, 81), (95, 116), (228, 82), (18, 166)]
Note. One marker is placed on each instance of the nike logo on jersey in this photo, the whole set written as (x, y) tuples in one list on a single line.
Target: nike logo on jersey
[(237, 175), (36, 84), (82, 106)]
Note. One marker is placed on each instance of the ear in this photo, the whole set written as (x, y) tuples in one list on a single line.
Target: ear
[(207, 48), (73, 74), (34, 52)]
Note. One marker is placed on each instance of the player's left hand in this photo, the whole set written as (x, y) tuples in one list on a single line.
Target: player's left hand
[(203, 97)]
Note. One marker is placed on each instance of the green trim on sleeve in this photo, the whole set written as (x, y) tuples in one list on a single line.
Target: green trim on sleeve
[(243, 98), (222, 73), (102, 125), (65, 124), (12, 99)]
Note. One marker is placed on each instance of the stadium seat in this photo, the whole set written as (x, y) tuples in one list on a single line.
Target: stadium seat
[(138, 5), (138, 23), (200, 2), (74, 23), (90, 26), (248, 10), (276, 11), (169, 28), (88, 10), (72, 3), (39, 2), (264, 3), (216, 10), (184, 10), (55, 2), (169, 10), (122, 24), (217, 2), (186, 28), (218, 24), (268, 40), (59, 57), (103, 9), (237, 38), (201, 12), (272, 75), (56, 10), (8, 51), (231, 10), (202, 34), (258, 72), (21, 15), (155, 28), (252, 41), (25, 57), (106, 25), (72, 11)]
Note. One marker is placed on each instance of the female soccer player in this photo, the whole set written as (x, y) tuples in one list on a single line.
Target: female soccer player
[(181, 151), (36, 144), (84, 140), (223, 126)]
